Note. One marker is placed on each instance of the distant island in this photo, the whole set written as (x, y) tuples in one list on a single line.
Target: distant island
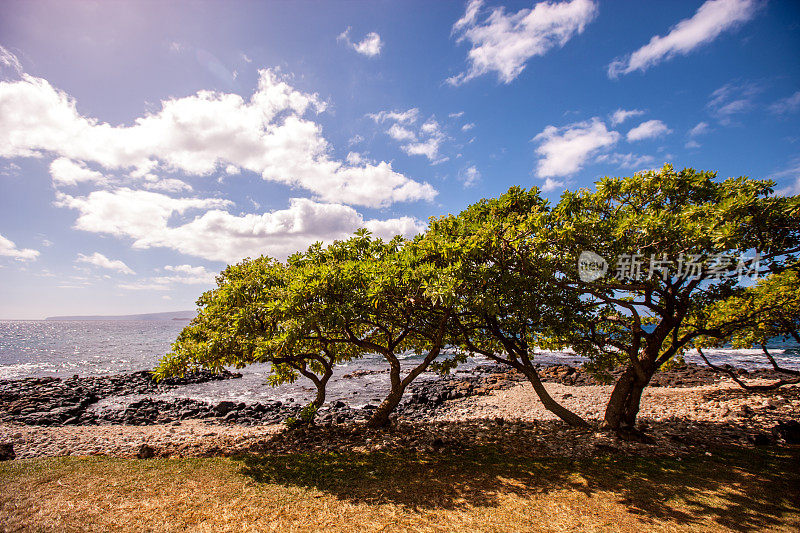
[(172, 315)]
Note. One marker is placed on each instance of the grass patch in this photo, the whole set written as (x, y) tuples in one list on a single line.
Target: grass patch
[(480, 490)]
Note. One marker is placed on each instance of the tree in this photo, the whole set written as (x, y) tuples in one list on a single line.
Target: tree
[(691, 236), (378, 297), (253, 316), (505, 310), (751, 317)]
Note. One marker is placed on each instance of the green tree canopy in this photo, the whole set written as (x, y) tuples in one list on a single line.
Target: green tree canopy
[(675, 241)]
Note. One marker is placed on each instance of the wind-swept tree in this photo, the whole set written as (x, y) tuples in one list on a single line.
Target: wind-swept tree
[(378, 297), (253, 317), (507, 305), (675, 242)]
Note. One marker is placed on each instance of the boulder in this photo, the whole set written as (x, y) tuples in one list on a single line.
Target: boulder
[(223, 408), (145, 452), (7, 452), (788, 431)]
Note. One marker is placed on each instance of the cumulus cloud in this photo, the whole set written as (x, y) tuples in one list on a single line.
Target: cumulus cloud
[(710, 20), (503, 42), (648, 130), (428, 143), (469, 176), (369, 46), (621, 115), (790, 104), (9, 249), (67, 172), (426, 140), (268, 134), (400, 133), (201, 228), (99, 260), (565, 150)]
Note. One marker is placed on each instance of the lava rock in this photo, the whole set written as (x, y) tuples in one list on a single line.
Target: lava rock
[(788, 431), (145, 452), (7, 452)]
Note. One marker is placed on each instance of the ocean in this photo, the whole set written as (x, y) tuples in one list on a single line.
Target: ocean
[(37, 348)]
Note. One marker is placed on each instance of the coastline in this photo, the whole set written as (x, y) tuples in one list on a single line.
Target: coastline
[(491, 406)]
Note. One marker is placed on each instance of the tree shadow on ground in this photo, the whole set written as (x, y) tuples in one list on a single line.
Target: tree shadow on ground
[(741, 489)]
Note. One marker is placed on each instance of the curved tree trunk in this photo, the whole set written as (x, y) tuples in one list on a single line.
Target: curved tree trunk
[(380, 418), (549, 403), (321, 384)]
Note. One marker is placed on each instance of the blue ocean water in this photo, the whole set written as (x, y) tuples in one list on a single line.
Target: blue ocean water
[(65, 348)]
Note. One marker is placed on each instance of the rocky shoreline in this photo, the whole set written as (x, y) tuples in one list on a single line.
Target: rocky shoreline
[(65, 402), (687, 407)]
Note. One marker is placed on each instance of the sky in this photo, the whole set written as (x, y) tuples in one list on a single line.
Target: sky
[(146, 145)]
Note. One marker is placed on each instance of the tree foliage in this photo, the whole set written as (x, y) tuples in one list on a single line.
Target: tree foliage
[(504, 279)]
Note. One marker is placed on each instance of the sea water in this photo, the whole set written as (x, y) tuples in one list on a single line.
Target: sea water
[(36, 348)]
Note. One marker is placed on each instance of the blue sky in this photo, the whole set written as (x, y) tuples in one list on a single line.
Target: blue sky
[(145, 145)]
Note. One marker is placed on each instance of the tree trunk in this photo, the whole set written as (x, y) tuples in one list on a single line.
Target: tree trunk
[(549, 403), (320, 399), (380, 418), (623, 405)]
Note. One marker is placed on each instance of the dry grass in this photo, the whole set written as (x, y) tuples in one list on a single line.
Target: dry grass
[(745, 490)]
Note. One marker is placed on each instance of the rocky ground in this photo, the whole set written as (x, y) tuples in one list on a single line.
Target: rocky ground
[(686, 408)]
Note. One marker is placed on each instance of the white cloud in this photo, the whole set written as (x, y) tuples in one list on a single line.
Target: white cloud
[(430, 140), (399, 133), (67, 172), (156, 220), (504, 42), (692, 144), (628, 161), (9, 60), (621, 115), (178, 274), (791, 171), (99, 260), (732, 99), (470, 176), (468, 126), (565, 150), (789, 104), (369, 46), (426, 141), (201, 134), (710, 20), (700, 129), (403, 117), (551, 184), (167, 185), (648, 130), (9, 249), (456, 115)]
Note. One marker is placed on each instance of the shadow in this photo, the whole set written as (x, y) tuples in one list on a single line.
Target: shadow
[(744, 489)]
